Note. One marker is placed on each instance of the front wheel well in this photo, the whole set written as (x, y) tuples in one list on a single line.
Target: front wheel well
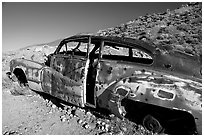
[(20, 75)]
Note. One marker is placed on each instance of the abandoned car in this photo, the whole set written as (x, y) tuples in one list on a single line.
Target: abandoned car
[(159, 88)]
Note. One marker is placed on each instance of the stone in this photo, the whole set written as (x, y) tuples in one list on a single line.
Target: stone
[(107, 127), (69, 112), (54, 106), (98, 122), (79, 121), (88, 113), (78, 113), (86, 126), (92, 125), (124, 129), (103, 123)]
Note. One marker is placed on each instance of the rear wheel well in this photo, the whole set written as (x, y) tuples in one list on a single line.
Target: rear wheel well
[(174, 121), (20, 75)]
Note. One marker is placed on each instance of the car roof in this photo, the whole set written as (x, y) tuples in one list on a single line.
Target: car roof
[(122, 40)]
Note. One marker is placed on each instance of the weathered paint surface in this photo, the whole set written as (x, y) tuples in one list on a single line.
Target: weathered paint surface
[(32, 71), (117, 80), (66, 79), (54, 83)]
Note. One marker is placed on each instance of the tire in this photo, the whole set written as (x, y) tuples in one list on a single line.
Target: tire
[(152, 124)]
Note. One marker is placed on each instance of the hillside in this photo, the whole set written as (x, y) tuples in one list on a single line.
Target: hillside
[(180, 29)]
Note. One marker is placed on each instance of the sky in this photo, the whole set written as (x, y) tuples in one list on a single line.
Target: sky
[(29, 23)]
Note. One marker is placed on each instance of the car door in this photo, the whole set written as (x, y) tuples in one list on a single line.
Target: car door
[(117, 62), (66, 80)]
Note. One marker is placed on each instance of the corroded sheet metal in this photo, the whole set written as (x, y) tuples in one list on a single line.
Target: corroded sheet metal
[(66, 79), (54, 83), (117, 80), (31, 69), (69, 66)]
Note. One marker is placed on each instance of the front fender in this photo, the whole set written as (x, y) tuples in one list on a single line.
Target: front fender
[(31, 69)]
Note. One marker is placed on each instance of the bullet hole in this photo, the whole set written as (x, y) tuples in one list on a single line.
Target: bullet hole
[(201, 71), (153, 90), (109, 70), (132, 95), (137, 88), (100, 102), (143, 71), (125, 69), (153, 73), (146, 99), (36, 74), (96, 88), (141, 93), (196, 118), (167, 66), (124, 80), (129, 80)]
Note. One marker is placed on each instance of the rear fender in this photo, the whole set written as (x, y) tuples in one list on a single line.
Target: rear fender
[(159, 90)]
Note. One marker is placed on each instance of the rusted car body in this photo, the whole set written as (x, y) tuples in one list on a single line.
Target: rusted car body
[(128, 77)]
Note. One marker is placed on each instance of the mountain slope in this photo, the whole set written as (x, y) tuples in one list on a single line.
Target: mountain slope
[(180, 29)]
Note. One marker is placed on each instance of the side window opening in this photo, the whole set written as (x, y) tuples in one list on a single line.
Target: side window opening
[(74, 47), (115, 51)]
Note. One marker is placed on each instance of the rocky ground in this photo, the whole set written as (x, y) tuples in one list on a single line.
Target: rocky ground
[(29, 113)]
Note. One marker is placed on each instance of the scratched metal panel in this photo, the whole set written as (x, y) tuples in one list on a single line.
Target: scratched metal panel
[(148, 86), (31, 69), (62, 87)]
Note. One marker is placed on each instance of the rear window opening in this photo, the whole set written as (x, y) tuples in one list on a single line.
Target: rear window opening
[(114, 51)]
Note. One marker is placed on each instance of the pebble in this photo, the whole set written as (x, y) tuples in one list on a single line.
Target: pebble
[(60, 109), (86, 125), (69, 112), (92, 125), (88, 113), (103, 123), (98, 122), (107, 127), (63, 119), (73, 108), (54, 106), (78, 113), (79, 121), (102, 127), (124, 129)]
